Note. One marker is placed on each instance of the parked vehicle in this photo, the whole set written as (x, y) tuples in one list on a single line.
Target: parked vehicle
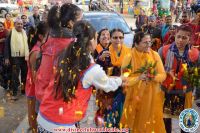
[(11, 8), (84, 5), (110, 20)]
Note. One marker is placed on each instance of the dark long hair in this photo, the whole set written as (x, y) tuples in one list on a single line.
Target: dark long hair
[(2, 24), (73, 60), (53, 17), (60, 16), (41, 29), (116, 30), (99, 34), (138, 37)]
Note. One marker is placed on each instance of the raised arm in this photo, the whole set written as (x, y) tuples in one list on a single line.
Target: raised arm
[(97, 77)]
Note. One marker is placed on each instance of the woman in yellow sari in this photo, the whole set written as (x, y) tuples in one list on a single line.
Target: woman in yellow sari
[(114, 100), (143, 107), (117, 50)]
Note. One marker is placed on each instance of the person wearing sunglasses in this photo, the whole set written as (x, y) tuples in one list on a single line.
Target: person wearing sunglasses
[(117, 51), (142, 110), (178, 92)]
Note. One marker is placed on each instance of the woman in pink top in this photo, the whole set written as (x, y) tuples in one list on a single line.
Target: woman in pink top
[(66, 99), (38, 40)]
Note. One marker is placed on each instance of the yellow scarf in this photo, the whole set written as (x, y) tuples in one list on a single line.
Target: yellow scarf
[(118, 56), (18, 45), (99, 48)]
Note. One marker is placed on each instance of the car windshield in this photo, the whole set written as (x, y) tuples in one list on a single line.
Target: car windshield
[(109, 22)]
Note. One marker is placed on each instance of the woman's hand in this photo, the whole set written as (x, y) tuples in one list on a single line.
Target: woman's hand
[(7, 62), (124, 81), (104, 55), (124, 84), (143, 77)]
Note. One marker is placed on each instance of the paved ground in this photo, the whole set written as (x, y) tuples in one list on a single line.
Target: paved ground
[(14, 112)]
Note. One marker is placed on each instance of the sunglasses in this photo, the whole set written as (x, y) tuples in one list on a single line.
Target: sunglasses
[(147, 43), (23, 18), (116, 37)]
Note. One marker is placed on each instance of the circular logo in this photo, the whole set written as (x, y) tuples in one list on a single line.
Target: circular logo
[(189, 120)]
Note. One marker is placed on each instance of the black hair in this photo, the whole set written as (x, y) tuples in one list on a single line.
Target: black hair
[(168, 16), (60, 16), (68, 12), (41, 29), (116, 30), (198, 10), (73, 60), (23, 16), (173, 27), (99, 33), (53, 18), (138, 37), (2, 23), (184, 12), (7, 14), (185, 27)]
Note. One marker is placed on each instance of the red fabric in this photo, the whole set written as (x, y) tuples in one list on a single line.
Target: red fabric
[(72, 112), (195, 39), (194, 53), (30, 85), (168, 39), (49, 53), (20, 3), (2, 35)]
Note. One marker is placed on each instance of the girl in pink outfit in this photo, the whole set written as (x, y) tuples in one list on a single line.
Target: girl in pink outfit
[(66, 99)]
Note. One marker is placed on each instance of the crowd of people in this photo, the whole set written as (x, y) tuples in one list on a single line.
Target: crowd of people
[(75, 77), (17, 40)]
